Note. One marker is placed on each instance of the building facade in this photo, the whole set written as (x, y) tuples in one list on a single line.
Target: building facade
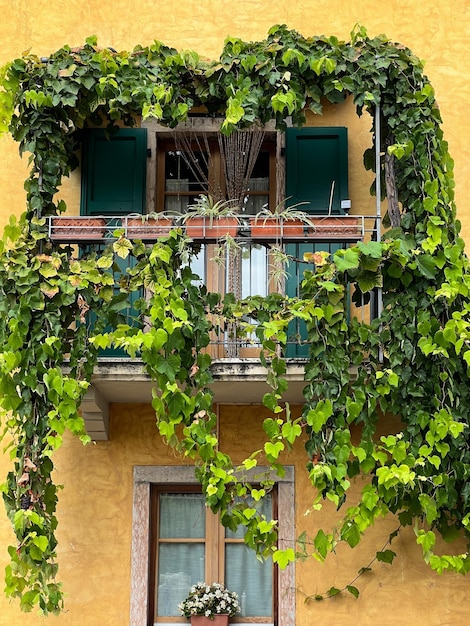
[(128, 497)]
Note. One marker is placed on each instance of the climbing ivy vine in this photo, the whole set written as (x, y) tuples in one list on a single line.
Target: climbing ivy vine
[(413, 361)]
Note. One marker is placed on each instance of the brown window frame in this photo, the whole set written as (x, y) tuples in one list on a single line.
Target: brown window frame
[(215, 175), (214, 551)]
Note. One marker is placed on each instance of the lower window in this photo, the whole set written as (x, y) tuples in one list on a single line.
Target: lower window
[(190, 545), (151, 480)]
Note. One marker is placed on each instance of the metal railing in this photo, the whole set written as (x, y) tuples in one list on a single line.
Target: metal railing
[(96, 228)]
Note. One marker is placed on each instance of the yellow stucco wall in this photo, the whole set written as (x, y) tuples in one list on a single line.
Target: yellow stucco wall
[(95, 506)]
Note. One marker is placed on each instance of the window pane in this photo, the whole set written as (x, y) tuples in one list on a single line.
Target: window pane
[(253, 204), (261, 168), (180, 565), (185, 178), (198, 265), (259, 182), (182, 515), (244, 573), (180, 177), (254, 270), (250, 578)]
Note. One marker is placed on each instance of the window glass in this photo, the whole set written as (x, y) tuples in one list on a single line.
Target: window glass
[(184, 173), (251, 578), (184, 179), (182, 515), (254, 270), (258, 185), (181, 563)]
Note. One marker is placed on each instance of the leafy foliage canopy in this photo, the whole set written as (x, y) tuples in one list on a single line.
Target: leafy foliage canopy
[(48, 350)]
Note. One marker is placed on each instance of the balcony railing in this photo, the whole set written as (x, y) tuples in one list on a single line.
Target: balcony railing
[(249, 270), (325, 228)]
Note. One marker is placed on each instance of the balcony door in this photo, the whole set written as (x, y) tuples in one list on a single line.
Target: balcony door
[(317, 175)]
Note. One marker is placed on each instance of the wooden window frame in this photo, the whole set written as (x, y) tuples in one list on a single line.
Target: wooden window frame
[(144, 478), (164, 143), (214, 550)]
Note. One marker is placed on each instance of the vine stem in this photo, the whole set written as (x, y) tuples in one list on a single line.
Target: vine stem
[(328, 595)]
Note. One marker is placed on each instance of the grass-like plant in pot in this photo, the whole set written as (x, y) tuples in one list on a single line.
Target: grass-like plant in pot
[(211, 219), (281, 222)]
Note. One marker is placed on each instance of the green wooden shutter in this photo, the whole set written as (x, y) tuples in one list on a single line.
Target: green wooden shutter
[(113, 172), (113, 183), (315, 159)]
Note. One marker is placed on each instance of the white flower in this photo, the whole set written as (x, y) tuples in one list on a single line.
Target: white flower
[(209, 600)]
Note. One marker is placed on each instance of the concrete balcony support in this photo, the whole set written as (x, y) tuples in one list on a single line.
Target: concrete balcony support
[(236, 381)]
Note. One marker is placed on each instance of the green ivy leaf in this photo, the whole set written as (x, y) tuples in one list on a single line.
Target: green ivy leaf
[(385, 556), (318, 416), (273, 449), (284, 557), (122, 247), (346, 259), (426, 265), (333, 591), (353, 591)]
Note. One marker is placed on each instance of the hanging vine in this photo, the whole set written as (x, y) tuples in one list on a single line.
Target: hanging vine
[(55, 309)]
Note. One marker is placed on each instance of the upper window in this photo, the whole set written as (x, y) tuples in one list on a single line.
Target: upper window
[(188, 166), (190, 546), (116, 170)]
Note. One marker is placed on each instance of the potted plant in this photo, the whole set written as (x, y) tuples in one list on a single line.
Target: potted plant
[(209, 605), (150, 226), (227, 247), (211, 219), (281, 222)]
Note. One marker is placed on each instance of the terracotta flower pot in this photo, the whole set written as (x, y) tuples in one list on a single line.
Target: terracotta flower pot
[(146, 229), (78, 228), (272, 228), (201, 227), (202, 620)]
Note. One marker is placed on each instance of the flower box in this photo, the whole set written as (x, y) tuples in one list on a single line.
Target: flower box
[(336, 228), (147, 228), (273, 228), (216, 620), (325, 228), (78, 228)]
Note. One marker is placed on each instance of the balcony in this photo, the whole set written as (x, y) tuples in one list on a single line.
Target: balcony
[(235, 357)]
